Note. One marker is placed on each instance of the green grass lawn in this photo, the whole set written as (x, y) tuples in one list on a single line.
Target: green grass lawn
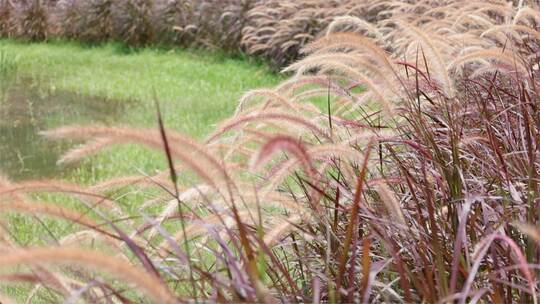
[(195, 89)]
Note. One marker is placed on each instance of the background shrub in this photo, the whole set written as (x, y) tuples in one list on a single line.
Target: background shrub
[(275, 29), (6, 22), (278, 29), (32, 20), (90, 21), (208, 23), (221, 23), (134, 22), (172, 17)]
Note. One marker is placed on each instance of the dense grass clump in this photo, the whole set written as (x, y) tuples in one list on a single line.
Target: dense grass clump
[(211, 24), (278, 30), (203, 23), (89, 21), (135, 22), (416, 182), (6, 26), (31, 19), (275, 30)]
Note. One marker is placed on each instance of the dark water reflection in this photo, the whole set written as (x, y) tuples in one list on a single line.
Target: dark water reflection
[(26, 109)]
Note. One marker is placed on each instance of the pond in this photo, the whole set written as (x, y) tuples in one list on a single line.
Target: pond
[(26, 108)]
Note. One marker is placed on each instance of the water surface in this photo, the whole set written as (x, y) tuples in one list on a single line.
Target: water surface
[(28, 107)]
